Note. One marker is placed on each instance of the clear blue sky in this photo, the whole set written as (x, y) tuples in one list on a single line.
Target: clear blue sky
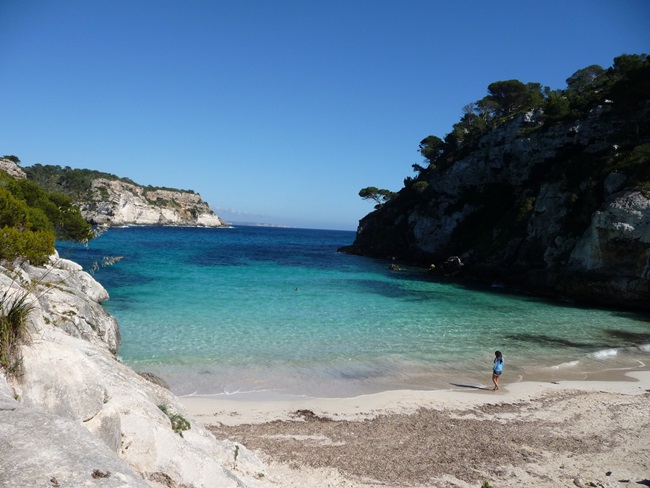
[(278, 111)]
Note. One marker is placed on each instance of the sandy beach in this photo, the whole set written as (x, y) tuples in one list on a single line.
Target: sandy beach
[(544, 434)]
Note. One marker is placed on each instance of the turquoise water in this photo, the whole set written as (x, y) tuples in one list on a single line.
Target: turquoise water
[(221, 311)]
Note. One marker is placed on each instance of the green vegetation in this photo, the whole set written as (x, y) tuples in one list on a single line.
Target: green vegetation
[(378, 195), (74, 183), (13, 329), (77, 183), (34, 246), (31, 219), (12, 158), (625, 86), (179, 423), (234, 464)]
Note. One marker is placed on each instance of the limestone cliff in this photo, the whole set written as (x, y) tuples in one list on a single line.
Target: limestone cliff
[(76, 416), (105, 199), (560, 208), (115, 202)]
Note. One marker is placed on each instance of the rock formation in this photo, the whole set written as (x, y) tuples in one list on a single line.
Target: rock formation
[(12, 168), (560, 208), (75, 416), (115, 202)]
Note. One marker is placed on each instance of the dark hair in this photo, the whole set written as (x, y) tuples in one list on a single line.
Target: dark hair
[(497, 354)]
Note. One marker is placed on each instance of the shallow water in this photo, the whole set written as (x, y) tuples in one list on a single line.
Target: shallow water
[(219, 311)]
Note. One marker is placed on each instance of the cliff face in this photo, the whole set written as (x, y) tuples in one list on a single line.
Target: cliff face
[(76, 416), (561, 209), (115, 202)]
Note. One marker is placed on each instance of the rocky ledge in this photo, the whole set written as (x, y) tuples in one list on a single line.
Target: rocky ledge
[(72, 415)]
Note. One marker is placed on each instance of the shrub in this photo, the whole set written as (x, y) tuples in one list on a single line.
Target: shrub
[(420, 186), (179, 423), (13, 329), (35, 246), (13, 212), (36, 216)]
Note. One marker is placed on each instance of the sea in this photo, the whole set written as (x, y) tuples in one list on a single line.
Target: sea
[(278, 313)]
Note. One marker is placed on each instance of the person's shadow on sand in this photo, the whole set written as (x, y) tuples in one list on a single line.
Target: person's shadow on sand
[(473, 387)]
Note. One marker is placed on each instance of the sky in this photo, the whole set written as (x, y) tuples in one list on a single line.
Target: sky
[(278, 112)]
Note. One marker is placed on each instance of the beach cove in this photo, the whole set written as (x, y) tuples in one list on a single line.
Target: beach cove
[(276, 312), (116, 425)]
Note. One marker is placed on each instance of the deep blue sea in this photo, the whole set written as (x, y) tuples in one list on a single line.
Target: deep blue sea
[(261, 309)]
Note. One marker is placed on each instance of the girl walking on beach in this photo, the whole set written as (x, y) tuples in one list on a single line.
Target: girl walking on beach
[(497, 369)]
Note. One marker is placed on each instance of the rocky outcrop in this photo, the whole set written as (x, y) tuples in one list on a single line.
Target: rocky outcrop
[(70, 300), (76, 416), (115, 202), (11, 168), (555, 209)]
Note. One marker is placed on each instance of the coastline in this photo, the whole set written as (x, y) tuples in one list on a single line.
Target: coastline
[(549, 434), (259, 407), (345, 379)]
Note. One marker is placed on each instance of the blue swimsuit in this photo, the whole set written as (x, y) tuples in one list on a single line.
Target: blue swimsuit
[(498, 365)]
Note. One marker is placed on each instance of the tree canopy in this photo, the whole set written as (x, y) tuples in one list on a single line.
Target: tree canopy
[(380, 196), (512, 96), (625, 86), (77, 183)]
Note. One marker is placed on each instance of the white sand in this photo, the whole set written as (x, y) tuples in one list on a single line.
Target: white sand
[(573, 409), (249, 409)]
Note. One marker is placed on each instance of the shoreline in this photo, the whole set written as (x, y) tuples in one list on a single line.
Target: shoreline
[(260, 407), (256, 383)]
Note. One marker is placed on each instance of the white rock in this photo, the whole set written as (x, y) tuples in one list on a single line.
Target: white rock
[(116, 202), (12, 168)]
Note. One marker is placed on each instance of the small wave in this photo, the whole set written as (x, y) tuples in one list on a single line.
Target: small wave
[(225, 392), (644, 347), (570, 364), (604, 354)]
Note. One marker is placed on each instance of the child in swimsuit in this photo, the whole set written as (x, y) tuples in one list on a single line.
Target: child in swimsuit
[(497, 369)]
